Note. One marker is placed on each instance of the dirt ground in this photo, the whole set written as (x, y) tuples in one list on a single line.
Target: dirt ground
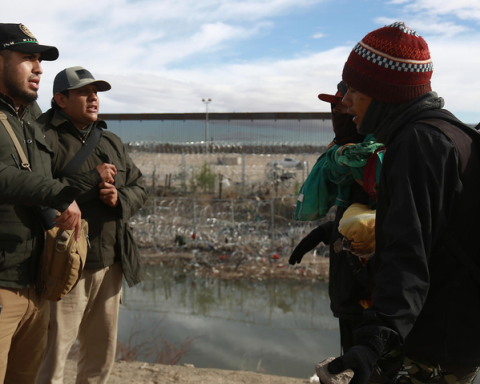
[(143, 373)]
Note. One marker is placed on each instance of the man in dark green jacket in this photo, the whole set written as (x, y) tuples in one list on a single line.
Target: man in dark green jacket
[(90, 310), (23, 315)]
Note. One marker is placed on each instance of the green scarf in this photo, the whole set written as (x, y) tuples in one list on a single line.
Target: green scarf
[(329, 183)]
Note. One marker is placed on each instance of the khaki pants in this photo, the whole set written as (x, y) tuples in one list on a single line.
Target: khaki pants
[(23, 335), (90, 313)]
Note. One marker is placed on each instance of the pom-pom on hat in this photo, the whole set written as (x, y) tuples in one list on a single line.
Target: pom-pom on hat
[(391, 64)]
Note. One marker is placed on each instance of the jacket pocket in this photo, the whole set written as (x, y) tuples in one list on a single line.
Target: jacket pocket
[(42, 161)]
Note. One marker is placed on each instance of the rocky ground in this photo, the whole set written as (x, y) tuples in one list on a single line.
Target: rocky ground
[(143, 373), (218, 265)]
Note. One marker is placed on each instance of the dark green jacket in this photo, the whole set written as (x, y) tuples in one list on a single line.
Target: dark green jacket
[(21, 235), (110, 235)]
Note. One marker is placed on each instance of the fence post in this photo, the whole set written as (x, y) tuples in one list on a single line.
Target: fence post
[(155, 223), (304, 163), (243, 174), (153, 178), (232, 208), (272, 223), (194, 220), (184, 172), (220, 182)]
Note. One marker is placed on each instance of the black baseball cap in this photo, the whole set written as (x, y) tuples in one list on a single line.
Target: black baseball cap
[(335, 99), (17, 37), (77, 77)]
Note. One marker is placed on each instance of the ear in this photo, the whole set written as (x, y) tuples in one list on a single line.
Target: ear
[(60, 99)]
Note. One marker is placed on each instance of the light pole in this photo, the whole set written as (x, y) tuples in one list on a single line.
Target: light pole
[(206, 125)]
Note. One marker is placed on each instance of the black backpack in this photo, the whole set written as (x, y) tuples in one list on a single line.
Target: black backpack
[(443, 121)]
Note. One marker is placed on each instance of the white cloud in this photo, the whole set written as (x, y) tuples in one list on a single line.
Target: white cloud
[(463, 9), (431, 26), (265, 85), (148, 50)]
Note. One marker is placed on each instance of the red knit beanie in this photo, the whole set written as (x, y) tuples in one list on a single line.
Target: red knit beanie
[(391, 64)]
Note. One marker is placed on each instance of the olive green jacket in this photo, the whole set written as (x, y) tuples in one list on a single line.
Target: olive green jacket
[(21, 234), (109, 233)]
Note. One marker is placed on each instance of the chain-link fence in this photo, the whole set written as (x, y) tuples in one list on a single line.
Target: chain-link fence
[(249, 227)]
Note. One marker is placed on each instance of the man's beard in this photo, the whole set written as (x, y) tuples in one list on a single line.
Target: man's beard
[(15, 86)]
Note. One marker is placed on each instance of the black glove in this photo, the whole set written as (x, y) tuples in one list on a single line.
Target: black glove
[(360, 359), (307, 244)]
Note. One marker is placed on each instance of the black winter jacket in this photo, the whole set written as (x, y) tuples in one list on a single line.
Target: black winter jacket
[(424, 297)]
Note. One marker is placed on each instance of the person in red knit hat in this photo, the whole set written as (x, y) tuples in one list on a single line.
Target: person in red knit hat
[(423, 326)]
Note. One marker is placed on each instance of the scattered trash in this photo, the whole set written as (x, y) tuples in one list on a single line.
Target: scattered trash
[(275, 256), (146, 366)]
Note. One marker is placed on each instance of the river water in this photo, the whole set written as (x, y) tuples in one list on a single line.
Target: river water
[(276, 327)]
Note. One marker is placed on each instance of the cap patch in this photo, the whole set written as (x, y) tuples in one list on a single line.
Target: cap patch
[(84, 74), (26, 31)]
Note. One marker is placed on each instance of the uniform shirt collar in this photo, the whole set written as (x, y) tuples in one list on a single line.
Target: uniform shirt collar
[(60, 118)]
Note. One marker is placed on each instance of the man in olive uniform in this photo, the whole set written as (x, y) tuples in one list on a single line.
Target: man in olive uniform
[(90, 311), (23, 315)]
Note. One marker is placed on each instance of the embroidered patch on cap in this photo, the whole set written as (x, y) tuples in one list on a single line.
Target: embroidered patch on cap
[(26, 31), (84, 74)]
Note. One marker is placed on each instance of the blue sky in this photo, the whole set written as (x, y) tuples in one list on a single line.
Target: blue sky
[(247, 56)]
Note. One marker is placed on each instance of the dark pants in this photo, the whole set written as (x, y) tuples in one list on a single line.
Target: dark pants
[(346, 333)]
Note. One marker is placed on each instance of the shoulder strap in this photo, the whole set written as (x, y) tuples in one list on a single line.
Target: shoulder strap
[(45, 214), (74, 165), (23, 158)]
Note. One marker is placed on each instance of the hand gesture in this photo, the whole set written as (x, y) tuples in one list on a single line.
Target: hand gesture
[(360, 359), (107, 172), (108, 194), (307, 244), (71, 218)]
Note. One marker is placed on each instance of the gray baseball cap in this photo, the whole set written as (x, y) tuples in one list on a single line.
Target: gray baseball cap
[(77, 77)]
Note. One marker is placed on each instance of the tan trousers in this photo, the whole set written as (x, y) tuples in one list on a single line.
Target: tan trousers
[(90, 313), (23, 335)]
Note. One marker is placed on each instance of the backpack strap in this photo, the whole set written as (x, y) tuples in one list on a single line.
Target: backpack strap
[(462, 148), (46, 215), (74, 165), (23, 158)]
